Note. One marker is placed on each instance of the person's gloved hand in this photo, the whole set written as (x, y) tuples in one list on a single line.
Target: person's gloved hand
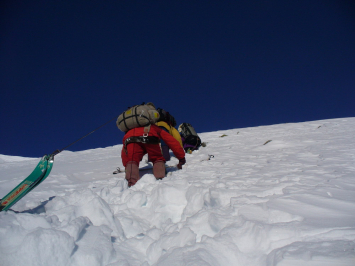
[(181, 163)]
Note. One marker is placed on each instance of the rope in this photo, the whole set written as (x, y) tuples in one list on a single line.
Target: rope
[(56, 152)]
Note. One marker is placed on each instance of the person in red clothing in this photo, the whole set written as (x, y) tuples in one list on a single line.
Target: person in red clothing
[(141, 140)]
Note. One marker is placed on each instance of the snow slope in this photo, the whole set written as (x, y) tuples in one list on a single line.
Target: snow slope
[(271, 195)]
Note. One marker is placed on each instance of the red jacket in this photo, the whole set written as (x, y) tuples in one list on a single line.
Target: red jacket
[(156, 131)]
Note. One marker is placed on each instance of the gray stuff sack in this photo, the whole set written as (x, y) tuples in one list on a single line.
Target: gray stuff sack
[(137, 116)]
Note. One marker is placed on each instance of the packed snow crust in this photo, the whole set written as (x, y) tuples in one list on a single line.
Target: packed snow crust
[(271, 195)]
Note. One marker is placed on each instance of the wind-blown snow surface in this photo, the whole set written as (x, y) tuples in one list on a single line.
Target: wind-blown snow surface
[(272, 195)]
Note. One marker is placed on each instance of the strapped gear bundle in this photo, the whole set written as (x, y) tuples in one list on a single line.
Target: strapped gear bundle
[(137, 116)]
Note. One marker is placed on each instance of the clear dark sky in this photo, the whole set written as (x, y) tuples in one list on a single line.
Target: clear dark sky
[(66, 67)]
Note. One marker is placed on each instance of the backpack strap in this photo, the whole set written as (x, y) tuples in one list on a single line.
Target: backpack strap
[(146, 130), (187, 128)]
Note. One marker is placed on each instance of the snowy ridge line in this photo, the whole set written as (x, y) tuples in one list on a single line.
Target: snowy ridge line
[(289, 202), (9, 159)]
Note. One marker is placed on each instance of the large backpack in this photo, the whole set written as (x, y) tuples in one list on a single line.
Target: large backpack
[(166, 117), (137, 116), (189, 137)]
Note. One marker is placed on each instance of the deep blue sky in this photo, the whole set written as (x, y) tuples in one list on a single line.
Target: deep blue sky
[(66, 67)]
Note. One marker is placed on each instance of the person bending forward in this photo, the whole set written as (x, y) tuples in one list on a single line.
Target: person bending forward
[(142, 140)]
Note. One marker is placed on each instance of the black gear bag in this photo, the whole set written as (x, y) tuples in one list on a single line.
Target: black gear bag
[(191, 141)]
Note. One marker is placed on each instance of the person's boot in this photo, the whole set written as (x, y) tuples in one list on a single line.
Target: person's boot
[(159, 169), (132, 173)]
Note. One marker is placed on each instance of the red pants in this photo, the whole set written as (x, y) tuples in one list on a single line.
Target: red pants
[(136, 151)]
